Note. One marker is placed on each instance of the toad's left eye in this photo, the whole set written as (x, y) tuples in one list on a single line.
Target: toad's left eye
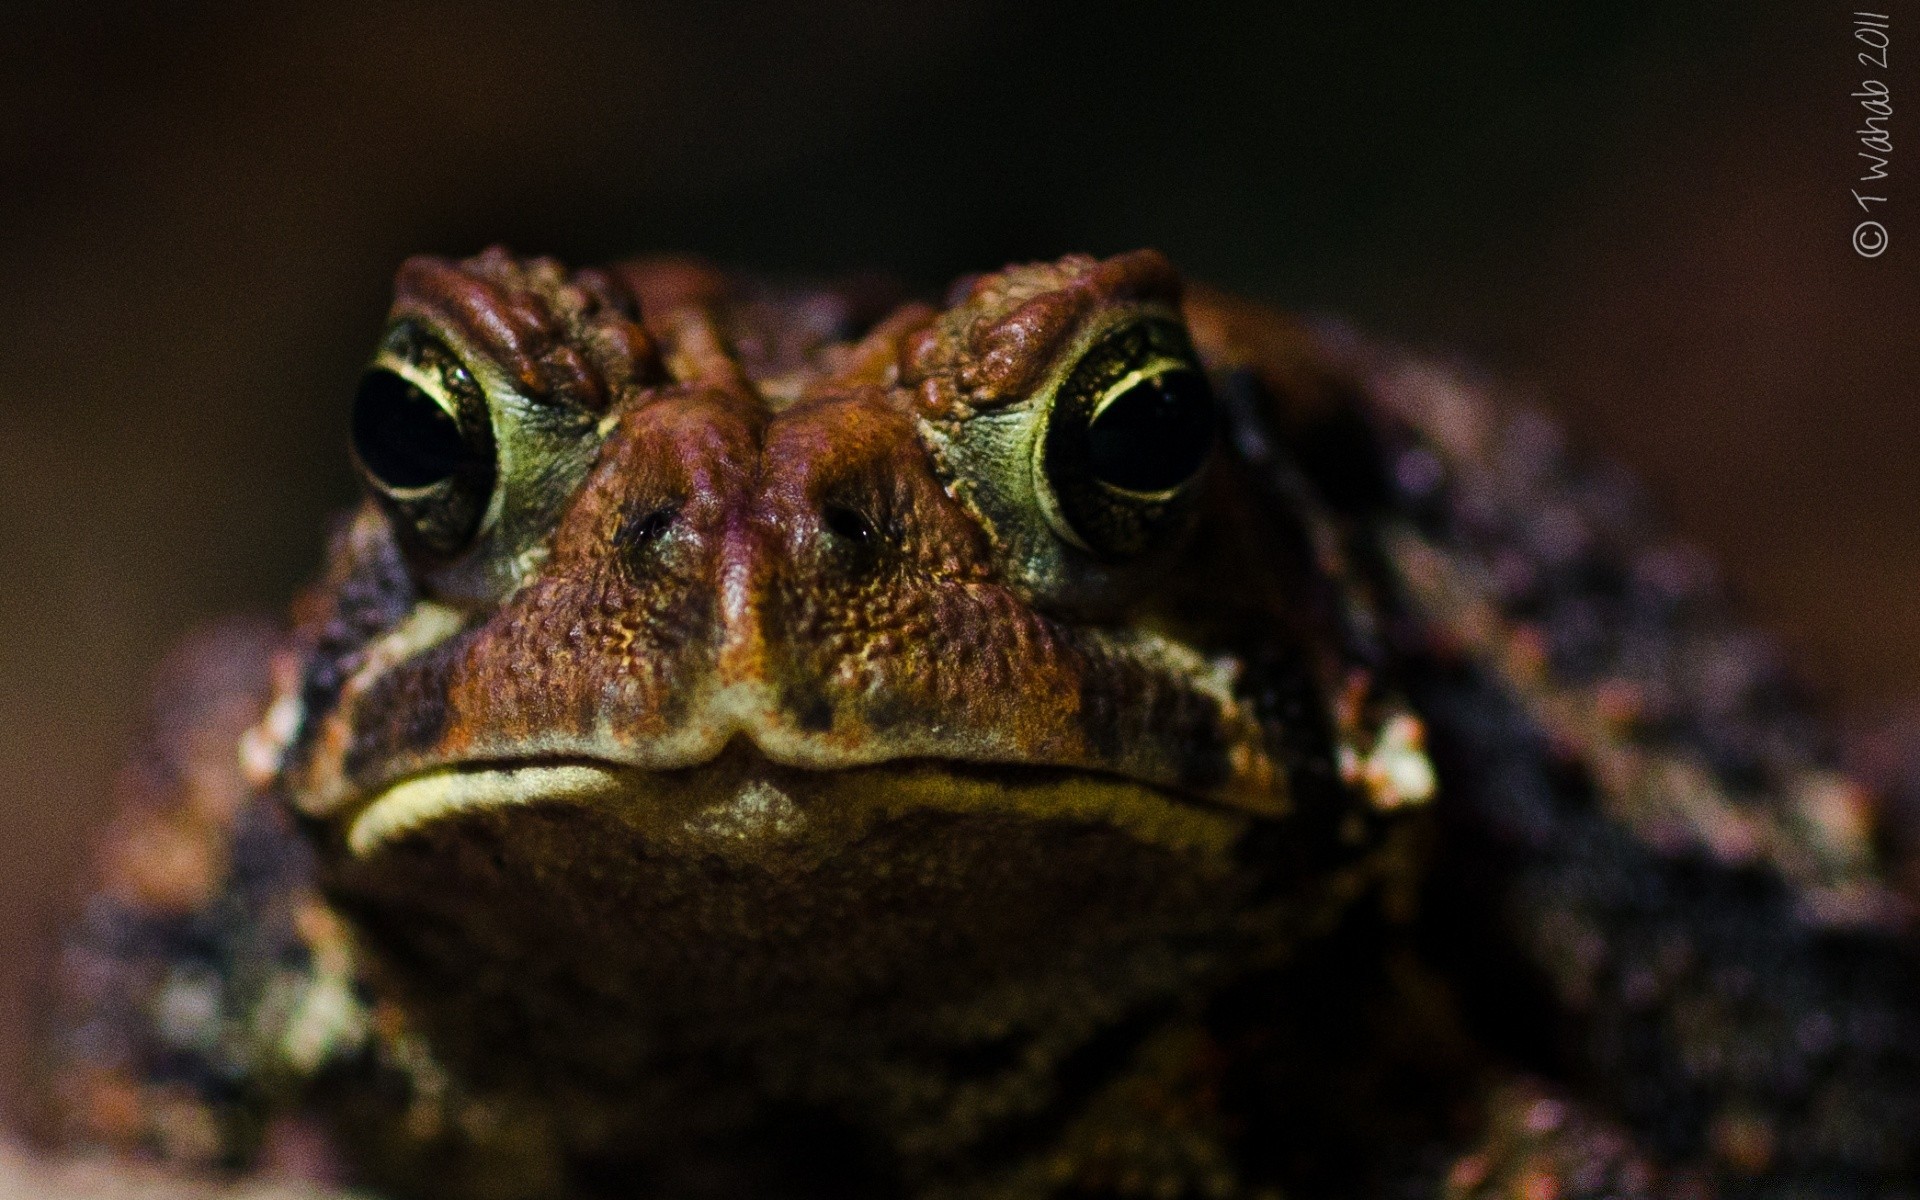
[(1151, 432), (1127, 434)]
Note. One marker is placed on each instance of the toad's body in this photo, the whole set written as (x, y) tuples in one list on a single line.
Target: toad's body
[(759, 743)]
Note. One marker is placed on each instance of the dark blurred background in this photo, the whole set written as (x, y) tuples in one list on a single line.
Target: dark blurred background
[(1636, 211)]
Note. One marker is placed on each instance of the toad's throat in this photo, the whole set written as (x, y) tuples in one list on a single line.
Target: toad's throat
[(582, 920), (740, 805)]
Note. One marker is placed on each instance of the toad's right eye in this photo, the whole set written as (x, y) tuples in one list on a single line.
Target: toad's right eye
[(424, 442), (404, 437)]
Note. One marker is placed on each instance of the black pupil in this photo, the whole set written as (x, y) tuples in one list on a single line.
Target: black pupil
[(1155, 435), (403, 437)]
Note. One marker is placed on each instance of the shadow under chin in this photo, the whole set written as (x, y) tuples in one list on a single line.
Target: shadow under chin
[(705, 943)]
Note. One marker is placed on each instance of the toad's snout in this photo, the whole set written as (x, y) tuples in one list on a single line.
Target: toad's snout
[(801, 582)]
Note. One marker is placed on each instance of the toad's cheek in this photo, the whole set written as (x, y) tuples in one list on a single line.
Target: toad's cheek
[(468, 719)]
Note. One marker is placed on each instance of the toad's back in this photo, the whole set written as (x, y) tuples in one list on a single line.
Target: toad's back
[(1083, 740)]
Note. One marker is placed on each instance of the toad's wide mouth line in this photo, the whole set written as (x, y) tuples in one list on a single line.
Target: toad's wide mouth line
[(415, 801), (742, 798)]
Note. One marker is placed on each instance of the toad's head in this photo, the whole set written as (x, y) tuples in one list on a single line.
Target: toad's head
[(769, 666)]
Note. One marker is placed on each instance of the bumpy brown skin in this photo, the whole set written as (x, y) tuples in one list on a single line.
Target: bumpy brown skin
[(774, 797)]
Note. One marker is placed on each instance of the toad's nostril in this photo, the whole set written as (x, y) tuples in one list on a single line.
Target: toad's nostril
[(847, 524), (640, 529)]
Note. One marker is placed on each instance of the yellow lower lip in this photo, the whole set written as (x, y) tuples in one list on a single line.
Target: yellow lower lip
[(740, 805), (412, 803)]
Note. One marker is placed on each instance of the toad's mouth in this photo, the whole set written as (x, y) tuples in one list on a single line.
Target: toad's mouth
[(585, 919), (740, 804)]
